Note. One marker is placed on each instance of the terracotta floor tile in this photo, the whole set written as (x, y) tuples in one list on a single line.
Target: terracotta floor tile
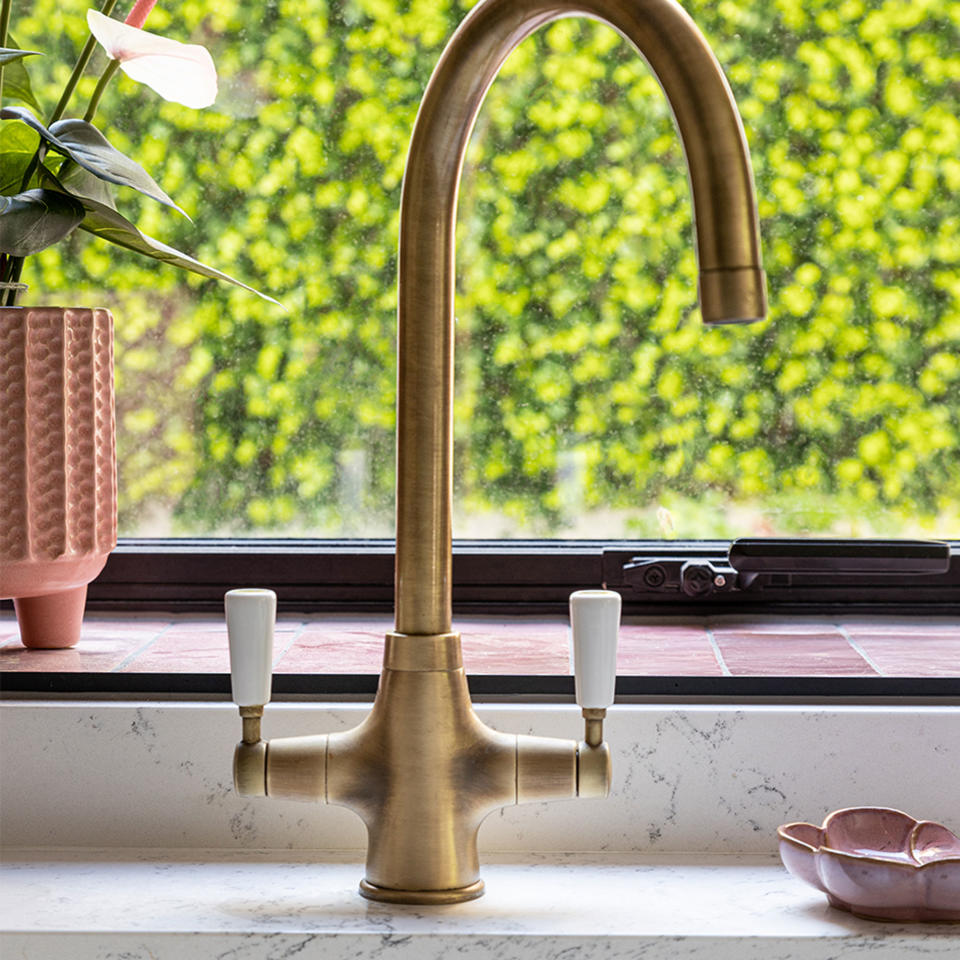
[(213, 624), (196, 646), (315, 652), (762, 646), (902, 626), (912, 655), (104, 644), (766, 626), (682, 630), (349, 645), (661, 651), (512, 647), (337, 644), (806, 655)]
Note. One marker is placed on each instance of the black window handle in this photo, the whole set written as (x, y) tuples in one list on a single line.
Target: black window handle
[(849, 557)]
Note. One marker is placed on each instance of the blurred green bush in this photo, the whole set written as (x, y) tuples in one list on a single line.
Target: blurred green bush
[(578, 341)]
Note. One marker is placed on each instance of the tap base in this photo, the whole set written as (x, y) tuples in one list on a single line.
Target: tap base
[(389, 895)]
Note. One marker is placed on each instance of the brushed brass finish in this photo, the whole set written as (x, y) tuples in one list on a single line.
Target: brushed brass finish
[(728, 246), (437, 898), (402, 652), (251, 717), (593, 725), (422, 770), (250, 769), (297, 768), (593, 770), (546, 769), (736, 295)]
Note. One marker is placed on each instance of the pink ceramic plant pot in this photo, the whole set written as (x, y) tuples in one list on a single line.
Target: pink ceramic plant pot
[(58, 465)]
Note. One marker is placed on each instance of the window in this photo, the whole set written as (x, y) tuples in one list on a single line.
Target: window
[(590, 401)]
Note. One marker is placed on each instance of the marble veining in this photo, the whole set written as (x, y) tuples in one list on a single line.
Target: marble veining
[(707, 778), (124, 840), (208, 905)]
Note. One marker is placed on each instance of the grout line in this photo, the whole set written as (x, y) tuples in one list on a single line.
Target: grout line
[(297, 634), (143, 649), (859, 650), (717, 653)]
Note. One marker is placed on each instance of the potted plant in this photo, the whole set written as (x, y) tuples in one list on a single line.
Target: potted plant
[(58, 488)]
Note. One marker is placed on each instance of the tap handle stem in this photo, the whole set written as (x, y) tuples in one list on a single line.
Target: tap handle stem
[(595, 625), (251, 613)]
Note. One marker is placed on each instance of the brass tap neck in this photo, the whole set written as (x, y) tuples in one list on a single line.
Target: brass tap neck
[(593, 725), (251, 717), (728, 245)]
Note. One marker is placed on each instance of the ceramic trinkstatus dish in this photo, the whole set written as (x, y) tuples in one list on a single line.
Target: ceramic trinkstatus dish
[(878, 863)]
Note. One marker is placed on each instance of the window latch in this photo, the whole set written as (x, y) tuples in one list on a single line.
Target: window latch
[(755, 564)]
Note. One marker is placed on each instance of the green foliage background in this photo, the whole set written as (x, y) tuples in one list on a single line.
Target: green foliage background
[(578, 338)]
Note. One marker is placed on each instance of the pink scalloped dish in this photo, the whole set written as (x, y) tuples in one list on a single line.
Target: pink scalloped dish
[(878, 863)]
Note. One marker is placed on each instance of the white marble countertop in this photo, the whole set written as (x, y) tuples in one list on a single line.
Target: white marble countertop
[(208, 905)]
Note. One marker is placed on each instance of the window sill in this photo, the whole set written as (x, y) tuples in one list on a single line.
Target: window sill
[(337, 653), (154, 903)]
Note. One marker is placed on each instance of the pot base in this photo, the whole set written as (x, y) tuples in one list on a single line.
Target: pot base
[(51, 622)]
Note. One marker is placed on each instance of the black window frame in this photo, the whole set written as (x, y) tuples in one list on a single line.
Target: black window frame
[(500, 577)]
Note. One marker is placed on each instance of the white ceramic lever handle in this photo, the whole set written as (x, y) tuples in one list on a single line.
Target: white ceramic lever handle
[(251, 613), (595, 625)]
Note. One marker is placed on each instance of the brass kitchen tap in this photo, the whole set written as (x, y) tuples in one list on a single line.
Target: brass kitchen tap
[(422, 770)]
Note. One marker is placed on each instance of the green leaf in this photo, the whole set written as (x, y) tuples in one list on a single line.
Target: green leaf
[(18, 144), (82, 183), (109, 225), (8, 56), (16, 80), (37, 219), (86, 145)]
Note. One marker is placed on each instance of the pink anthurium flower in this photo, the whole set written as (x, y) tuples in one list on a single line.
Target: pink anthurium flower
[(138, 15), (181, 72)]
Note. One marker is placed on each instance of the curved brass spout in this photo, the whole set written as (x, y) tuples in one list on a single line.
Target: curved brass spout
[(422, 770), (731, 278)]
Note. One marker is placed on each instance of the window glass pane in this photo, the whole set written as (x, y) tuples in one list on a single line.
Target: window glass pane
[(590, 401)]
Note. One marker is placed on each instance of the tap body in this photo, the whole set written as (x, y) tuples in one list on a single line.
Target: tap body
[(422, 770)]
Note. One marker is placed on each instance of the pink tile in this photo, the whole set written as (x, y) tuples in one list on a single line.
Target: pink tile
[(337, 645), (678, 629), (913, 655), (803, 655), (184, 652), (355, 645), (646, 651), (776, 626), (771, 646), (514, 646), (197, 645), (903, 626), (104, 645)]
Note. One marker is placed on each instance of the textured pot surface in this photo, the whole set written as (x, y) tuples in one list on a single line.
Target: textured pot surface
[(58, 488)]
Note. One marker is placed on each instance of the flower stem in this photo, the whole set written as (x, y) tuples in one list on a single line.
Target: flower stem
[(4, 27), (82, 61), (10, 269), (105, 77), (14, 265)]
